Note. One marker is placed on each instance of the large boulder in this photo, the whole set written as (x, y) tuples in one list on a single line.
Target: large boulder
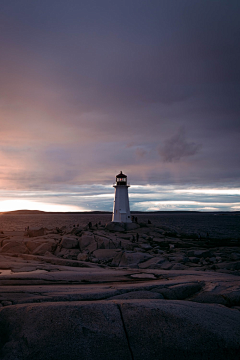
[(227, 295), (152, 263), (14, 247), (68, 253), (34, 243), (69, 242), (35, 232), (132, 259), (179, 267), (82, 257), (235, 256), (229, 266), (181, 291), (91, 247), (164, 329), (49, 246), (149, 329), (199, 253), (105, 254), (116, 260), (85, 240), (62, 331), (107, 242)]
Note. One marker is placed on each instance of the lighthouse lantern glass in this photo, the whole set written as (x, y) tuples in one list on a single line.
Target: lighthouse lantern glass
[(121, 180)]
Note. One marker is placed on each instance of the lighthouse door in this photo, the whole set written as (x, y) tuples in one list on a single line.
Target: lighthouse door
[(123, 216)]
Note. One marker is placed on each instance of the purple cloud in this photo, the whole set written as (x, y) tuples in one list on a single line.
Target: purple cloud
[(177, 147)]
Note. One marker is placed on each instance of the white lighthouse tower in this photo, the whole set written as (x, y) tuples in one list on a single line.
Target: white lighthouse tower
[(121, 210)]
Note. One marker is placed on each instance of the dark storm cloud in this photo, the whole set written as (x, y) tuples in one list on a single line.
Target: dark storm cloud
[(132, 51), (80, 81), (178, 147)]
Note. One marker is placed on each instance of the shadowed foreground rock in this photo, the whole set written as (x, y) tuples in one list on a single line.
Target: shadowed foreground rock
[(95, 292), (130, 329)]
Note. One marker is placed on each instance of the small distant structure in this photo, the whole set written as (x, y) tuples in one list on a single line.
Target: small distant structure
[(121, 209)]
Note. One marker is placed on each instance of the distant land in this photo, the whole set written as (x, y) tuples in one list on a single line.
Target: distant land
[(39, 212)]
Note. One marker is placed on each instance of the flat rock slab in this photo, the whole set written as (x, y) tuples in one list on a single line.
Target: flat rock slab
[(143, 276), (137, 295), (62, 331), (160, 329), (132, 329)]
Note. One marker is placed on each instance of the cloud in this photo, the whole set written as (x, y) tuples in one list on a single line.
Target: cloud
[(100, 197), (140, 152), (87, 90), (178, 147)]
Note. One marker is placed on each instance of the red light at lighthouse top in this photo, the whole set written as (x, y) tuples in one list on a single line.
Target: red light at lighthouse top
[(121, 179)]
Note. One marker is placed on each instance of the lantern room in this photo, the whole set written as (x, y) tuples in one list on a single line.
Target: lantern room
[(121, 179)]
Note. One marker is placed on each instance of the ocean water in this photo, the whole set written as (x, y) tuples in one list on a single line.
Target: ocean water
[(18, 222), (216, 225)]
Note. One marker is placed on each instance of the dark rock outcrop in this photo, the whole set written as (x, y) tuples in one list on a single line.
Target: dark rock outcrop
[(131, 329)]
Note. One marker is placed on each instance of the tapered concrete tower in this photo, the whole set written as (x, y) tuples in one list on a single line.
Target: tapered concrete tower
[(121, 210)]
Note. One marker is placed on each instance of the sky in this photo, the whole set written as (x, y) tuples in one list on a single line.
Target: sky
[(89, 88)]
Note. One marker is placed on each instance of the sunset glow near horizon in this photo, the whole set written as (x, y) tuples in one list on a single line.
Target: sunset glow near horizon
[(90, 88), (142, 198)]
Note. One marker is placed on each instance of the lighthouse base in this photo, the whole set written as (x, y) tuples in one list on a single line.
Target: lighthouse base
[(121, 217), (117, 226)]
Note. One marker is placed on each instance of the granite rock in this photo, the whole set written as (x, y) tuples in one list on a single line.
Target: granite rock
[(181, 291), (105, 254), (85, 240), (69, 242), (119, 329), (14, 247), (152, 263), (133, 258)]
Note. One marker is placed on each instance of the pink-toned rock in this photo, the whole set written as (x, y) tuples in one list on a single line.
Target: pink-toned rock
[(167, 265), (115, 226), (69, 242), (6, 241), (92, 247), (14, 247), (63, 330), (107, 243), (133, 258), (142, 294), (105, 254), (179, 267), (120, 329), (35, 232), (131, 226), (85, 240), (43, 248), (151, 263), (68, 253), (33, 244), (82, 257), (117, 259)]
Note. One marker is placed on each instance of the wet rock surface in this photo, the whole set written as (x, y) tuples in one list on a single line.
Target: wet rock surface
[(136, 292)]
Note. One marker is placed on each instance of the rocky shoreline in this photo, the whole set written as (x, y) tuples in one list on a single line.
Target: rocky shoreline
[(137, 292)]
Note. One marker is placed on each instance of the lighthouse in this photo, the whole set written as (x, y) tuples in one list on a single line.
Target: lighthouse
[(121, 209)]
